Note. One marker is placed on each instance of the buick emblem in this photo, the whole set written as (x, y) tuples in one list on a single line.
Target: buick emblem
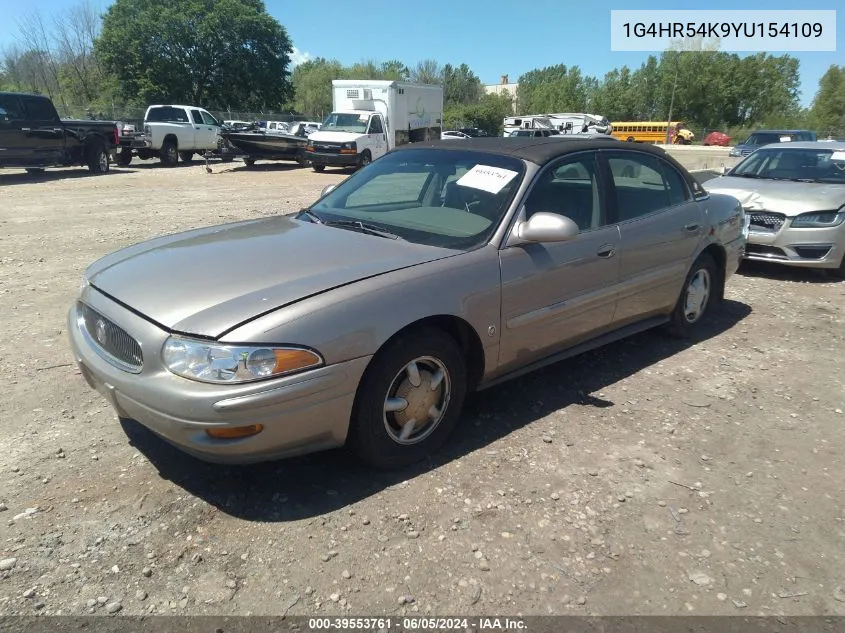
[(100, 331)]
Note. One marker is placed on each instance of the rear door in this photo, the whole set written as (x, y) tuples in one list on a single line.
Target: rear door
[(44, 134), (12, 143), (660, 226)]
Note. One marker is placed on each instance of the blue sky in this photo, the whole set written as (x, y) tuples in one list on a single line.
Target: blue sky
[(493, 37)]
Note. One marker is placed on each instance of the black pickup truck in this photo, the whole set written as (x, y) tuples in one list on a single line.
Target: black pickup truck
[(34, 137)]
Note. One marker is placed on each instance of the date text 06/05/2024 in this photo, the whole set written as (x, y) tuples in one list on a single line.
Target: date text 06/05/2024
[(432, 624), (723, 29)]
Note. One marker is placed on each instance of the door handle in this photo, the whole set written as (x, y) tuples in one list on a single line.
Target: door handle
[(692, 228), (58, 129), (196, 127), (607, 251), (26, 129)]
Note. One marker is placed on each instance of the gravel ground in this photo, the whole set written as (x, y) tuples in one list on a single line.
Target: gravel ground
[(649, 477)]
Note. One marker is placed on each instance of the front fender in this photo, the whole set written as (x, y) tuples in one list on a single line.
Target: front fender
[(357, 319)]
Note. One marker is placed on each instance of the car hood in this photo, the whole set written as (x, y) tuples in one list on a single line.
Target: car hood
[(780, 196), (322, 136), (207, 281)]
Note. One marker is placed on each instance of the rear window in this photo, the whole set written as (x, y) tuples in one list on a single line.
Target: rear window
[(166, 114)]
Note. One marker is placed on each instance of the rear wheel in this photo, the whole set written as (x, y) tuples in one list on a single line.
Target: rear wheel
[(630, 139), (97, 159), (169, 153), (699, 291), (186, 156), (249, 162), (409, 399), (318, 168)]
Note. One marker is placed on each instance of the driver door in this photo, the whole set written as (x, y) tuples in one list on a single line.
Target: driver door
[(555, 295), (378, 139)]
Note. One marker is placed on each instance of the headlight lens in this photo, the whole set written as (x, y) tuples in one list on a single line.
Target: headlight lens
[(207, 361), (818, 220), (348, 146)]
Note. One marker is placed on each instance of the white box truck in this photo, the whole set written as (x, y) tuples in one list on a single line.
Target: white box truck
[(371, 117)]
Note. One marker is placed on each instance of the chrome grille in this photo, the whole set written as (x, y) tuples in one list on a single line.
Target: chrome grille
[(111, 340), (764, 221)]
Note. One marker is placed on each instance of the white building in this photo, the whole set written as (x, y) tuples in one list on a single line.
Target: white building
[(504, 87)]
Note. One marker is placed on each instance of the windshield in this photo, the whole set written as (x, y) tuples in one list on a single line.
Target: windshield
[(444, 198), (345, 122), (780, 163)]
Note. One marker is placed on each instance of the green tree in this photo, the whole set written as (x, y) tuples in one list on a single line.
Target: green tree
[(828, 110), (428, 71), (218, 53), (488, 114), (461, 85), (312, 83), (553, 89)]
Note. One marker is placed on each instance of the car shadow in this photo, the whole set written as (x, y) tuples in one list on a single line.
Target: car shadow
[(313, 485), (51, 175), (779, 272), (265, 166)]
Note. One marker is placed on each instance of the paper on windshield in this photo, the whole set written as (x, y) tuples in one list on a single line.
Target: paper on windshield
[(785, 139), (837, 156), (487, 178)]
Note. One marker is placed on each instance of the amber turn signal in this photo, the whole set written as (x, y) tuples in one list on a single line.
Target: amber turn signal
[(234, 432)]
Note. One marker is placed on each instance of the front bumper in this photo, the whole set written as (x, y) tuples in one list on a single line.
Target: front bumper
[(300, 414), (807, 248), (332, 160)]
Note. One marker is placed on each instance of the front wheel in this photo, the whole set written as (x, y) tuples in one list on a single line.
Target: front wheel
[(97, 159), (838, 273), (409, 399), (318, 168), (365, 159), (695, 302), (124, 157), (186, 156), (249, 162)]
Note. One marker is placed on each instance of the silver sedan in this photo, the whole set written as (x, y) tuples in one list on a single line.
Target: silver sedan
[(794, 197), (366, 318)]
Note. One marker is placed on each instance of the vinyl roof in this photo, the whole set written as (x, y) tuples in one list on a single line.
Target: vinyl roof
[(538, 150)]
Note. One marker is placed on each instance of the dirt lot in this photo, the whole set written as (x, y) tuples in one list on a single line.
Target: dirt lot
[(651, 477)]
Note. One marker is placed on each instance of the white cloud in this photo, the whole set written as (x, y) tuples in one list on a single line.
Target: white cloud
[(297, 57)]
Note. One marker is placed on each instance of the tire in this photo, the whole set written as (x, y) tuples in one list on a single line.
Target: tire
[(169, 153), (376, 434), (249, 162), (630, 139), (186, 156), (97, 159), (701, 288), (366, 159), (318, 168), (124, 157)]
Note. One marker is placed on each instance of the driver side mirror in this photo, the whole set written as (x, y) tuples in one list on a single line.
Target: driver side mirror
[(327, 189), (547, 227)]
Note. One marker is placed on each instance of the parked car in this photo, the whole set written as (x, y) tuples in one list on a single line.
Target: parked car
[(439, 269), (794, 197), (173, 132), (719, 139), (453, 134), (304, 128), (33, 136), (766, 137)]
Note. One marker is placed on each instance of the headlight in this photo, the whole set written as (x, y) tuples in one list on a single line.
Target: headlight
[(349, 146), (734, 152), (818, 220), (231, 364)]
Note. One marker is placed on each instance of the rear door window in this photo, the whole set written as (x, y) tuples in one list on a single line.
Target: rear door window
[(39, 110)]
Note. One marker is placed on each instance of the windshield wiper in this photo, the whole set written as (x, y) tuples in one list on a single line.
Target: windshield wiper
[(357, 225), (308, 213)]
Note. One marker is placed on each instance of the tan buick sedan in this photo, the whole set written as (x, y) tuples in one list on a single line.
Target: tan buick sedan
[(366, 318)]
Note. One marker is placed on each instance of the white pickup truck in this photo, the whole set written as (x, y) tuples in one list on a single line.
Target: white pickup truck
[(172, 132)]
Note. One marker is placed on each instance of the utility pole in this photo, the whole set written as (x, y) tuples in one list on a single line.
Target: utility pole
[(672, 104)]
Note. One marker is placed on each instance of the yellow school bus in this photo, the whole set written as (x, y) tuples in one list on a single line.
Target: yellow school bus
[(645, 131)]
